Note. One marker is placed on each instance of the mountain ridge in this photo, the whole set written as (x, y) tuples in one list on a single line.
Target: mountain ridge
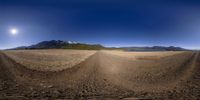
[(59, 44)]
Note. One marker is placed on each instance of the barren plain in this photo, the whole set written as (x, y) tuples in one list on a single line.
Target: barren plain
[(104, 74)]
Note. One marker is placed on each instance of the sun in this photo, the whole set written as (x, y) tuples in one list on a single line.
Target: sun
[(14, 31)]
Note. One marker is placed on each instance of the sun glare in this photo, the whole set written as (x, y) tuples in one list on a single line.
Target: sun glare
[(13, 31)]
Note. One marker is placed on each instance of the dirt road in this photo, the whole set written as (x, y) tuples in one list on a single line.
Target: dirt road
[(104, 76)]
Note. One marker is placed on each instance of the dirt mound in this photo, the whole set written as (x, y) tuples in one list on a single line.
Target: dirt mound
[(105, 76)]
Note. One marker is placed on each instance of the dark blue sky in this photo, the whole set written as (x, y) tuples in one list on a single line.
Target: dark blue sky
[(108, 22)]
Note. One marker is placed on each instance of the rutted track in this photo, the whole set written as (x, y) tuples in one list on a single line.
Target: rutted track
[(100, 76)]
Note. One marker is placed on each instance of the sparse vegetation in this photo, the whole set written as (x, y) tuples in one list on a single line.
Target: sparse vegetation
[(84, 47)]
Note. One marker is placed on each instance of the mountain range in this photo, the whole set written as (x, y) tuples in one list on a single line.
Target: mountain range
[(59, 44), (154, 48)]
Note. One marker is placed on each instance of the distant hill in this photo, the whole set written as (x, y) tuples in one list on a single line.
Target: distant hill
[(154, 48), (58, 44)]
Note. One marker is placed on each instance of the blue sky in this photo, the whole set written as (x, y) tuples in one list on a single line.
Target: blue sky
[(107, 22)]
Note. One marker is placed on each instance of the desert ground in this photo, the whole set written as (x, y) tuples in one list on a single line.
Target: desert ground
[(103, 74)]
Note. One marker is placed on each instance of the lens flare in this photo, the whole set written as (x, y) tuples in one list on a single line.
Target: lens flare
[(13, 31)]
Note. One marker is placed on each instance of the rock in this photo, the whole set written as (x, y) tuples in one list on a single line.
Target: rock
[(56, 92), (31, 88), (50, 86), (17, 85)]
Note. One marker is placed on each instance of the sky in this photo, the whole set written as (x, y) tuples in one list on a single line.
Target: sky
[(112, 23)]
